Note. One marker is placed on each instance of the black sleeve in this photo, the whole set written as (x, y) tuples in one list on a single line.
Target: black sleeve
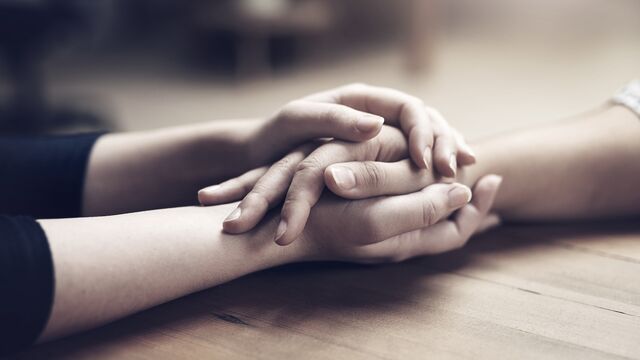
[(43, 177), (39, 177), (26, 282)]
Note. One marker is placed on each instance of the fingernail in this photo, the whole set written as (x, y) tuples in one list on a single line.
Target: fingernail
[(209, 190), (282, 228), (495, 179), (453, 165), (344, 177), (459, 196), (367, 123), (426, 157), (234, 215)]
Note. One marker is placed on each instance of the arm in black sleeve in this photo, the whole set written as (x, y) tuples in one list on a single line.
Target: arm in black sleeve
[(43, 177), (39, 177), (26, 282)]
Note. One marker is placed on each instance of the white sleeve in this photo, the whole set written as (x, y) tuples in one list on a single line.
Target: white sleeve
[(629, 96)]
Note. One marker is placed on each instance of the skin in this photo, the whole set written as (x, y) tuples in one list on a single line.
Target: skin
[(297, 177), (181, 160), (108, 266), (138, 260), (589, 164), (601, 148), (585, 167), (111, 266)]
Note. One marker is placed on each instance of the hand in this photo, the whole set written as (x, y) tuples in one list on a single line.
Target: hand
[(302, 174), (356, 112), (305, 179), (396, 228)]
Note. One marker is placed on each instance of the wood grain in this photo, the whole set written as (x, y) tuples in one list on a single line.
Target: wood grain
[(525, 292)]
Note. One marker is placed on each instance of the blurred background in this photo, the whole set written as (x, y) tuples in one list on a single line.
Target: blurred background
[(488, 65)]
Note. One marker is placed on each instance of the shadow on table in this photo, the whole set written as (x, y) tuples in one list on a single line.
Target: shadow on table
[(332, 293)]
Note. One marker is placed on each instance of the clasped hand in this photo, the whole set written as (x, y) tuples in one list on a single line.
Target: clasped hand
[(392, 187)]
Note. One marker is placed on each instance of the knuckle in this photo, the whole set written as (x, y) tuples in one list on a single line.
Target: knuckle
[(445, 133), (429, 213), (336, 113), (288, 113), (310, 165), (258, 199), (285, 164), (374, 176)]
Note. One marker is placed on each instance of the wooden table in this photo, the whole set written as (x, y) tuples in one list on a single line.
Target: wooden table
[(516, 292)]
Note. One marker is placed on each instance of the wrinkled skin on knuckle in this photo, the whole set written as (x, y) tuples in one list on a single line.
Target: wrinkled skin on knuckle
[(257, 198), (334, 114), (373, 175), (284, 165), (310, 166), (429, 213)]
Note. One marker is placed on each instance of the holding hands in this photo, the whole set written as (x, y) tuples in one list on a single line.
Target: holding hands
[(396, 228), (363, 159)]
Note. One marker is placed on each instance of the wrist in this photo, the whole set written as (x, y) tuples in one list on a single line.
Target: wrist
[(258, 244), (222, 149)]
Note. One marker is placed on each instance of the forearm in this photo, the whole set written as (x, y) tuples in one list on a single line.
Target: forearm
[(108, 267), (587, 167), (163, 168)]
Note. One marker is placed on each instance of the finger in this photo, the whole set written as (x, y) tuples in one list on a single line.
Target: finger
[(267, 192), (304, 120), (398, 108), (489, 222), (453, 234), (445, 155), (466, 155), (386, 217), (485, 191), (230, 190), (365, 179), (308, 181)]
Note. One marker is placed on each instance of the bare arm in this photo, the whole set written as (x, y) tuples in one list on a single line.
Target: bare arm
[(108, 267), (582, 168), (163, 168)]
